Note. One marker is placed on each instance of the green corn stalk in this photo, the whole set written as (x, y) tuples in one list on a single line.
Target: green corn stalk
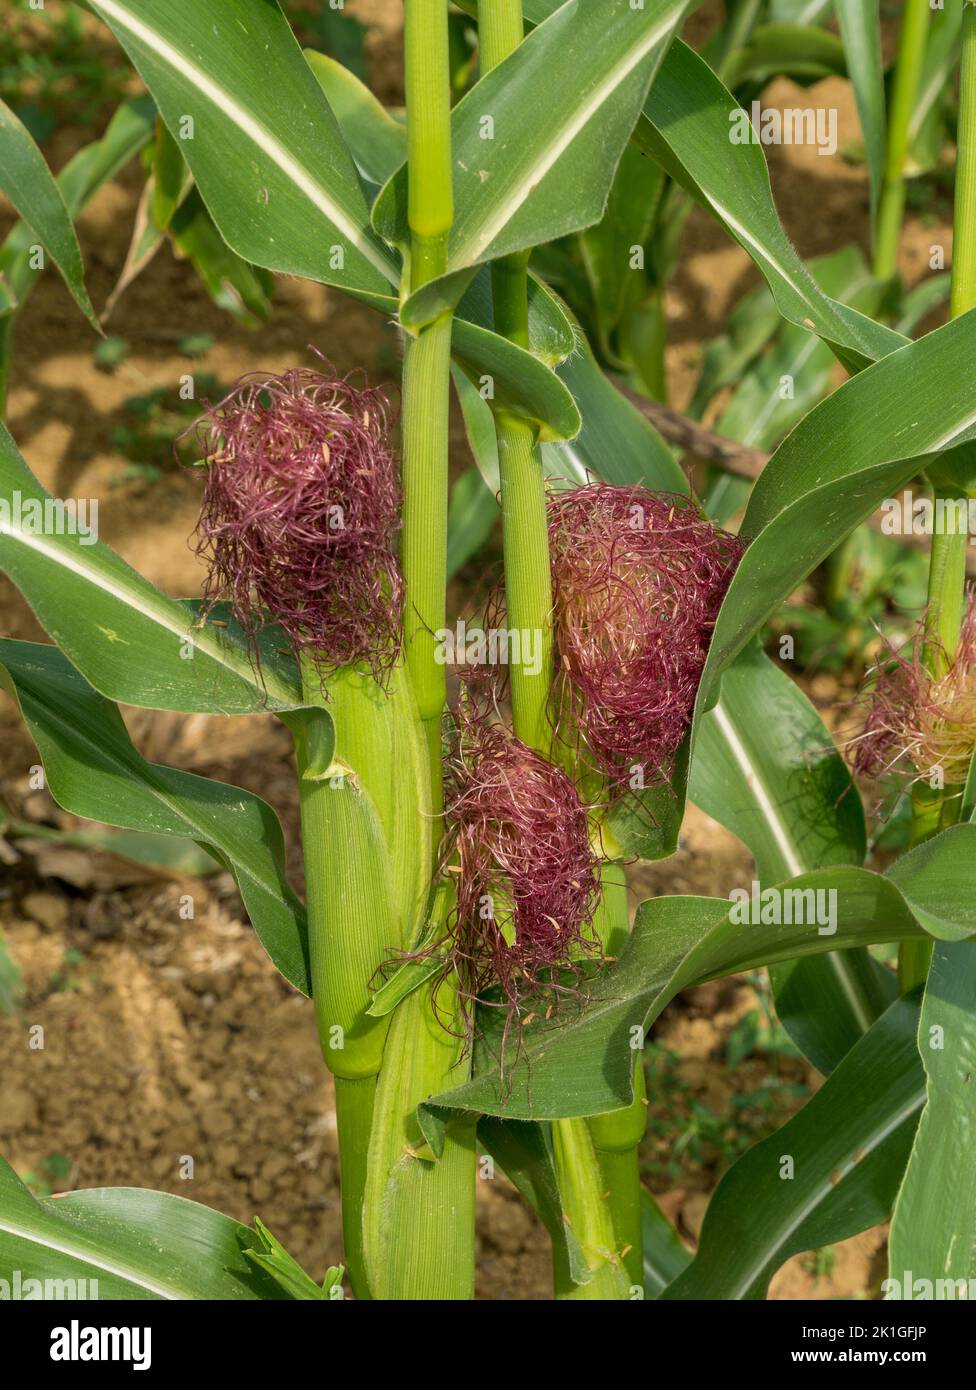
[(419, 1210), (935, 808), (908, 71), (366, 842), (617, 1136), (419, 1207), (528, 598)]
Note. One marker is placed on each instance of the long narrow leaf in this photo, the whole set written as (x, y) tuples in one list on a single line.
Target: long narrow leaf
[(933, 1232), (258, 134), (832, 1171), (130, 128), (859, 446), (94, 771), (860, 28), (765, 767), (29, 184), (686, 126), (130, 641), (585, 1066), (123, 1243), (525, 171)]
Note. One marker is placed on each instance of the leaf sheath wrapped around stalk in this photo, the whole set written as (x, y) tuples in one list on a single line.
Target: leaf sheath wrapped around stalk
[(366, 841)]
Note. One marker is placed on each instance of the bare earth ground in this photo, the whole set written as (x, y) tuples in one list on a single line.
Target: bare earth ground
[(166, 1038)]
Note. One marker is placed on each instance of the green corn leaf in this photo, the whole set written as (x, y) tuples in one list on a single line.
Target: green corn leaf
[(130, 641), (540, 170), (169, 175), (94, 771), (615, 443), (585, 1066), (920, 301), (247, 87), (264, 147), (520, 380), (404, 980), (31, 188), (775, 392), (479, 426), (860, 30), (750, 327), (796, 51), (524, 1153), (130, 128), (926, 129), (847, 1146), (552, 335), (686, 126), (665, 1253), (517, 379), (471, 518), (271, 1256), (242, 289), (628, 222), (935, 880), (170, 854), (378, 142), (135, 1243), (798, 11), (647, 822), (859, 446), (826, 1003), (145, 242), (507, 375), (765, 767), (933, 1231)]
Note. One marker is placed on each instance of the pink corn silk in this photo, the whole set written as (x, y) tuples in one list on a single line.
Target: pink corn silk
[(915, 721), (638, 578), (300, 515), (520, 847)]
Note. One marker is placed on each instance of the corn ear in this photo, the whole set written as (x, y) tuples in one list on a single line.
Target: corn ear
[(419, 1209)]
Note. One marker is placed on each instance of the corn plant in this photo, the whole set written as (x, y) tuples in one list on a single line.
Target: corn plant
[(480, 991)]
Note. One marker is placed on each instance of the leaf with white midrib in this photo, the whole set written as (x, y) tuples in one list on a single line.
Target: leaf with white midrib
[(168, 614), (793, 859), (866, 439), (848, 1144), (684, 125), (133, 1242), (122, 633), (548, 167), (78, 1249), (870, 1141), (546, 155), (281, 125), (128, 760), (584, 1067)]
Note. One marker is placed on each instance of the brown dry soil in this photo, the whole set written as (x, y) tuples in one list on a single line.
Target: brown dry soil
[(167, 1039)]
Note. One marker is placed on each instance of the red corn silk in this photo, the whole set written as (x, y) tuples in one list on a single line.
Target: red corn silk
[(519, 845), (300, 515), (916, 722), (638, 578)]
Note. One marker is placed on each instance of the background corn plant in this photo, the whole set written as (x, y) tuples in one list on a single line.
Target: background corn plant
[(263, 159)]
